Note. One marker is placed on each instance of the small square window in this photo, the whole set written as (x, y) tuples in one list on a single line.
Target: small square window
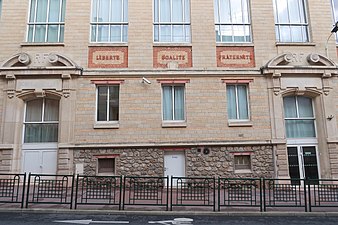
[(242, 162), (106, 166)]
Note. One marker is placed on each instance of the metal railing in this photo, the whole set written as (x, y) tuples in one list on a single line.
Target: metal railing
[(145, 191), (12, 188), (322, 193), (284, 193), (240, 192), (193, 191), (98, 190), (50, 189)]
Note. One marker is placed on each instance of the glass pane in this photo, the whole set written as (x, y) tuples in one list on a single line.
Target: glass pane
[(156, 33), (294, 11), (179, 103), (165, 10), (93, 33), (305, 107), (156, 9), (238, 33), (165, 33), (103, 33), (167, 103), (125, 10), (32, 11), (40, 32), (242, 102), (225, 14), (236, 11), (247, 33), (104, 11), (305, 34), (63, 11), (290, 110), (125, 33), (41, 11), (226, 33), (282, 11), (218, 33), (296, 32), (187, 33), (187, 11), (216, 11), (293, 164), (37, 133), (116, 10), (30, 33), (51, 110), (102, 103), (54, 10), (310, 162), (52, 35), (178, 33), (34, 111), (245, 12), (94, 10), (113, 103), (115, 33), (300, 128), (285, 35), (231, 101), (62, 31), (177, 11)]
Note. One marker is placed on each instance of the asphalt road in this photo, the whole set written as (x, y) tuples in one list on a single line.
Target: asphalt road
[(33, 218)]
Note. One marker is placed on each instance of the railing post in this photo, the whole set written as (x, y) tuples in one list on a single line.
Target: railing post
[(264, 195), (23, 190), (260, 195), (120, 194), (76, 191), (305, 194), (309, 190), (124, 191), (167, 182), (28, 187), (219, 194), (171, 193), (214, 182), (72, 191)]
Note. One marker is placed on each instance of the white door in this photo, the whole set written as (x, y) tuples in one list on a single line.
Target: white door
[(39, 161), (174, 164)]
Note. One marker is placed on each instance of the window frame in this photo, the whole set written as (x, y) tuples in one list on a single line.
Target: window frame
[(219, 24), (40, 122), (98, 166), (171, 23), (173, 102), (301, 118), (60, 23), (123, 24), (291, 24), (238, 119), (243, 170), (107, 121)]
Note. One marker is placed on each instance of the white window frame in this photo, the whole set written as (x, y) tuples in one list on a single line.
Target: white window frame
[(171, 23), (123, 24), (173, 102), (291, 24), (237, 102), (107, 121), (302, 140), (38, 122), (232, 24), (47, 23)]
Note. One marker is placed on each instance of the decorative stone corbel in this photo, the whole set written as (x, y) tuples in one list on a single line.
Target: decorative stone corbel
[(66, 85), (11, 83), (39, 93), (276, 83)]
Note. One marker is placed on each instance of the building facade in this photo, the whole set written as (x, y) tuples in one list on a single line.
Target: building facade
[(231, 88)]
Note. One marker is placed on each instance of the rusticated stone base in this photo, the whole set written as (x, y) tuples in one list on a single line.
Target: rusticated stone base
[(199, 161)]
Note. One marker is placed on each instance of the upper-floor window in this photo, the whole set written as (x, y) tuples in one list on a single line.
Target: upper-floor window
[(173, 103), (108, 103), (109, 21), (238, 104), (290, 21), (299, 117), (232, 21), (335, 13), (41, 121), (46, 21), (172, 21)]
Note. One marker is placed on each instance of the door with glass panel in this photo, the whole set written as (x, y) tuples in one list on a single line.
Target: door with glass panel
[(301, 138), (39, 148)]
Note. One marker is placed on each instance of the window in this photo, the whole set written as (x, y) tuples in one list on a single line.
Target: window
[(299, 117), (106, 165), (46, 21), (108, 103), (242, 162), (172, 21), (238, 108), (335, 13), (173, 103), (232, 22), (41, 121), (109, 22), (290, 21)]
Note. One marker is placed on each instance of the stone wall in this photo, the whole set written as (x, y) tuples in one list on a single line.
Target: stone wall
[(150, 162)]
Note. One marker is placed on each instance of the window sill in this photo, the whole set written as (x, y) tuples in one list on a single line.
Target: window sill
[(171, 44), (295, 44), (107, 125), (235, 44), (105, 174), (243, 171), (240, 124), (42, 44), (107, 44), (173, 124)]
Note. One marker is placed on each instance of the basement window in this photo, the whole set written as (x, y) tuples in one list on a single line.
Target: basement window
[(106, 166), (242, 163)]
